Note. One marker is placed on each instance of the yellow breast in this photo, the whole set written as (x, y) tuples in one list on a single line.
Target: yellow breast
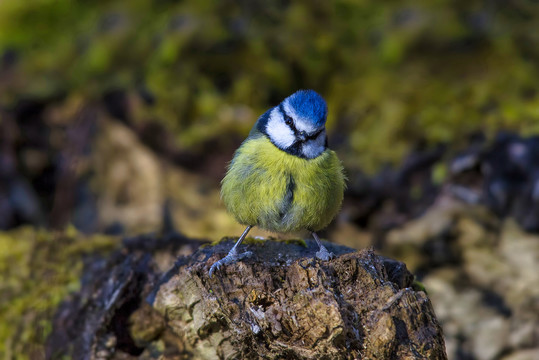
[(279, 192)]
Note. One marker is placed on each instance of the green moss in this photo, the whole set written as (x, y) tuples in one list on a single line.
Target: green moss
[(393, 74), (37, 270), (419, 286), (439, 173), (254, 241), (217, 242)]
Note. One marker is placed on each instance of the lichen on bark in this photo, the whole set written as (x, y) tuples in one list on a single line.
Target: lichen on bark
[(281, 303)]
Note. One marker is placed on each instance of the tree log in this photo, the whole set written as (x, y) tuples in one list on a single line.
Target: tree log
[(281, 303)]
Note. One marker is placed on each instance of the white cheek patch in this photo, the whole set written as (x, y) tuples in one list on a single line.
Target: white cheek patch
[(300, 123), (313, 148), (279, 133)]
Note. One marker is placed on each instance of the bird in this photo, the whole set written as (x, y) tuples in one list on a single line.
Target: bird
[(283, 178)]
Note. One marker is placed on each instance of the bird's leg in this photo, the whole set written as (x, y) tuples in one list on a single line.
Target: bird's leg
[(323, 253), (233, 255)]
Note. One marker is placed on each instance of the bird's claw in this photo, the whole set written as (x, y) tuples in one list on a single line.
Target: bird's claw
[(324, 254), (229, 259), (215, 266)]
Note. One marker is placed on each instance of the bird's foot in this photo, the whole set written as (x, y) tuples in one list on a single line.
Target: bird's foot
[(324, 254), (232, 257)]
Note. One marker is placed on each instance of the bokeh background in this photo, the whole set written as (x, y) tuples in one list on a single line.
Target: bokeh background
[(118, 118)]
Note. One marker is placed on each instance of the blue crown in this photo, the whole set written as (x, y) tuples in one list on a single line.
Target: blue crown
[(308, 104)]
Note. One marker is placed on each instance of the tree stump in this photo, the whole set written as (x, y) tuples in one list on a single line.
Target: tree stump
[(281, 303)]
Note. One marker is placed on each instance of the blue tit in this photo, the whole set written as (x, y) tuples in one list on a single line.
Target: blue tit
[(284, 178)]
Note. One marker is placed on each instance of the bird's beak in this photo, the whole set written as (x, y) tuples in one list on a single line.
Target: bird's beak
[(302, 136)]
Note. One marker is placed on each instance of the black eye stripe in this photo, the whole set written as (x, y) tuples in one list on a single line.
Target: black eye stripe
[(288, 121), (314, 135)]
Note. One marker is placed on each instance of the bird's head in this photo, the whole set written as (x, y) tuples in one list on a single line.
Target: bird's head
[(297, 124)]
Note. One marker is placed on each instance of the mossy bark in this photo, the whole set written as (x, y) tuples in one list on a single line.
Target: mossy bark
[(283, 304), (279, 303)]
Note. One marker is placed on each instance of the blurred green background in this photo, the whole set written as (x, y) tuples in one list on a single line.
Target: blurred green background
[(392, 72), (119, 117)]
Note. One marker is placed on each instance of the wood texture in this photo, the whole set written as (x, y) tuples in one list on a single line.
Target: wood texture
[(281, 303)]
